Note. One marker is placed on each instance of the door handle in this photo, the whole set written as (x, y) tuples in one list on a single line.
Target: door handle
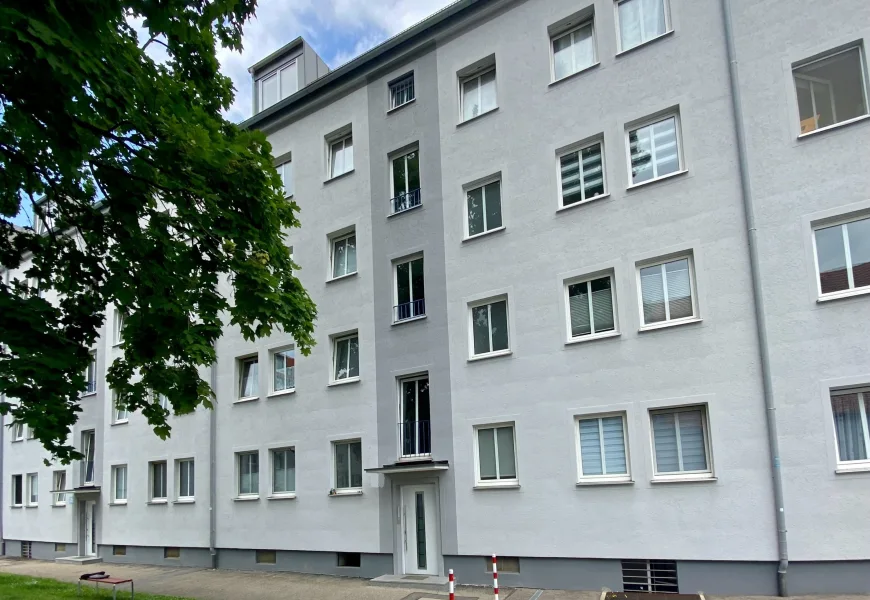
[(405, 525)]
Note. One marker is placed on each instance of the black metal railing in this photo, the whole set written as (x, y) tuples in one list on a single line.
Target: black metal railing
[(409, 310), (415, 438), (406, 201)]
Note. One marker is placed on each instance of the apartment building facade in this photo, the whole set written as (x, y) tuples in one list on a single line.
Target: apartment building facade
[(525, 226)]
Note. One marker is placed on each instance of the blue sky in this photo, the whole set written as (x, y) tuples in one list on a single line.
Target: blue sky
[(338, 30)]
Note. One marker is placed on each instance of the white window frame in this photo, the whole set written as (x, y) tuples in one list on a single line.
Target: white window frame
[(163, 401), (240, 456), (508, 482), (588, 279), (332, 255), (272, 453), (351, 489), (407, 261), (276, 73), (693, 286), (29, 499), (578, 150), (152, 497), (118, 328), (482, 186), (335, 341), (282, 169), (586, 22), (708, 473), (863, 394), (272, 353), (466, 79), (58, 480), (669, 27), (120, 415), (241, 362), (179, 480), (394, 84), (401, 381), (810, 79), (89, 449), (488, 302), (678, 133), (114, 491), (91, 364), (842, 223), (21, 486), (604, 478), (18, 431), (343, 140), (404, 154)]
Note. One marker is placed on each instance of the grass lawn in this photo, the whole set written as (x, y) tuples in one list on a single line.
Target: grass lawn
[(22, 587)]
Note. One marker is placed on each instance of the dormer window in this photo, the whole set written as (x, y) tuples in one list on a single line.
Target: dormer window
[(277, 85)]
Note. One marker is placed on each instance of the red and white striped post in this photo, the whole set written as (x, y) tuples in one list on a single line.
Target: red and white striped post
[(450, 584), (494, 577)]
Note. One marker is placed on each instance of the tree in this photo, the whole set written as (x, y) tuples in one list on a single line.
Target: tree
[(153, 203)]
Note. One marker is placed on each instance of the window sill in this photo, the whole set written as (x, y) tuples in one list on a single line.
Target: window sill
[(117, 344), (395, 108), (119, 503), (685, 479), (833, 127), (18, 440), (58, 505), (574, 75), (646, 43), (347, 492), (253, 498), (248, 399), (343, 381), (184, 501), (340, 277), (635, 186), (489, 355), (404, 211), (847, 469), (31, 506), (863, 291), (337, 177), (667, 324), (124, 422), (88, 395), (513, 485), (603, 482), (286, 392), (592, 338), (563, 207), (477, 117), (162, 501), (485, 233), (16, 506), (282, 497), (411, 320)]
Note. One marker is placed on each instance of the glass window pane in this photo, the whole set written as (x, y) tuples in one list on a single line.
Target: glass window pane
[(413, 171), (614, 445), (630, 31), (269, 90), (480, 329), (250, 377), (353, 367), (572, 184), (831, 254), (653, 294), (859, 248), (590, 448), (356, 465), (486, 452), (475, 211), (665, 442), (342, 466), (563, 59), (679, 289), (578, 304), (400, 180), (351, 254), (470, 99), (488, 98), (602, 305), (499, 325), (849, 428), (492, 198), (342, 351), (640, 144), (403, 282), (286, 171), (831, 90), (339, 258), (584, 48), (348, 155), (289, 81), (507, 466), (653, 18), (417, 284), (692, 443), (593, 172), (667, 156)]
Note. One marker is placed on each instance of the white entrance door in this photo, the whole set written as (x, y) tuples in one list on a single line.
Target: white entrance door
[(90, 528), (420, 530)]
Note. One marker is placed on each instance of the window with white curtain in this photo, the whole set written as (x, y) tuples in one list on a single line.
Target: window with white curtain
[(59, 484), (17, 431), (591, 307), (343, 250), (573, 51), (581, 174), (654, 149), (496, 455), (641, 21), (341, 156), (831, 89), (87, 463), (283, 471), (850, 408), (843, 256), (603, 447), (478, 94), (483, 206), (158, 480), (121, 414), (249, 377), (32, 489), (348, 465), (249, 473), (489, 327), (283, 370), (667, 291), (278, 84), (119, 484), (285, 170), (345, 357), (681, 442), (186, 479)]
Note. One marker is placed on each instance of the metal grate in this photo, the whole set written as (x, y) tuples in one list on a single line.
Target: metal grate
[(26, 550), (402, 91), (651, 576)]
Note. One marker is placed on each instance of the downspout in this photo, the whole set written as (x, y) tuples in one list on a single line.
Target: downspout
[(760, 315), (6, 276), (212, 483)]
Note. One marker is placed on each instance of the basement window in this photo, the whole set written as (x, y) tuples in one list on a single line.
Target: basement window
[(505, 564), (266, 557), (349, 559), (171, 552), (651, 576), (120, 551)]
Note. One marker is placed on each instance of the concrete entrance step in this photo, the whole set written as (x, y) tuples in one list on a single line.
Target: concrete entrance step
[(415, 582), (79, 560)]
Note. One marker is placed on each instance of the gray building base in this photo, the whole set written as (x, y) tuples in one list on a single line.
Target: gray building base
[(42, 550), (317, 563), (150, 555)]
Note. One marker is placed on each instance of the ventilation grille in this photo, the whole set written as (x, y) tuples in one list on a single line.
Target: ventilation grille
[(650, 576), (25, 550)]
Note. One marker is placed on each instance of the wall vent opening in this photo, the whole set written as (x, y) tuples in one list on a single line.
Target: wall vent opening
[(349, 559), (650, 576), (26, 550), (266, 557)]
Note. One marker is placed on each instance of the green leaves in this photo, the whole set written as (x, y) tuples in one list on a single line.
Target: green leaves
[(156, 200)]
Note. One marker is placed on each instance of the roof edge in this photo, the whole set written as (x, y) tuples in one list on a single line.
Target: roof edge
[(282, 50)]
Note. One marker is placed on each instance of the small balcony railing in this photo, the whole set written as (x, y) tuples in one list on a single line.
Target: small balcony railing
[(410, 310), (415, 439), (406, 201)]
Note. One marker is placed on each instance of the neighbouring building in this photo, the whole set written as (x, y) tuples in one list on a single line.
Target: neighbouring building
[(525, 228)]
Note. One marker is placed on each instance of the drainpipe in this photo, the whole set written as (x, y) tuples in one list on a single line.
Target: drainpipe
[(212, 483), (6, 276), (760, 315)]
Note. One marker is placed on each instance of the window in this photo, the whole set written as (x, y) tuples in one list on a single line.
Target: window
[(655, 576), (32, 489), (163, 401), (91, 375), (406, 181), (478, 94), (581, 174), (414, 425), (401, 90), (285, 170), (641, 21), (591, 307), (484, 208), (266, 557), (249, 473), (121, 414), (489, 328), (505, 564), (60, 547), (667, 291), (831, 89), (278, 85), (348, 465), (496, 459), (850, 408), (119, 484), (249, 378), (348, 559), (283, 471), (31, 434), (17, 431), (345, 357), (88, 440), (344, 255), (171, 552), (603, 447), (158, 481), (17, 490), (186, 479), (680, 441), (59, 484), (573, 51), (655, 150), (119, 550), (283, 370), (410, 292), (341, 156), (843, 256), (119, 327)]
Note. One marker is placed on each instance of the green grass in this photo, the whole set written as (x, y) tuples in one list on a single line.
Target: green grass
[(22, 587)]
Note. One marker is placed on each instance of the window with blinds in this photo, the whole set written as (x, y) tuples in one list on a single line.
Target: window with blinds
[(603, 448), (681, 441), (667, 291), (581, 174), (654, 149), (591, 309), (850, 408), (496, 455)]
